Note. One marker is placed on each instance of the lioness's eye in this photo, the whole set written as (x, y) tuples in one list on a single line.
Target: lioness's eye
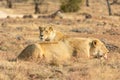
[(46, 31)]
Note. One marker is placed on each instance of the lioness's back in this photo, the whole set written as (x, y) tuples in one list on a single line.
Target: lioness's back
[(52, 52)]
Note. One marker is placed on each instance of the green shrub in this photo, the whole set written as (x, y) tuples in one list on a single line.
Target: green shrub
[(70, 5)]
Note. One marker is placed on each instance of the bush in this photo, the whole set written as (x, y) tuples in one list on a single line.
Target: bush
[(70, 5)]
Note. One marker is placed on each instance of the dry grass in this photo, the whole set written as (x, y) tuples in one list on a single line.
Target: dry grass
[(17, 33)]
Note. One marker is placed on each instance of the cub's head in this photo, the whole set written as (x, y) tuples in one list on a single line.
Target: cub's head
[(98, 49), (46, 33)]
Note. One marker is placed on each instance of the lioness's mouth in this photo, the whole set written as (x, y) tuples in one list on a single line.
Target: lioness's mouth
[(41, 39)]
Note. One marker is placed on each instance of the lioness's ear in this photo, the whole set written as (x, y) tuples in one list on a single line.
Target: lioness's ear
[(94, 43), (39, 27), (51, 28)]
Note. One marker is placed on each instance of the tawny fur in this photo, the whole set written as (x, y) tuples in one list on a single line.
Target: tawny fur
[(50, 34), (52, 52), (88, 47), (62, 51), (81, 46)]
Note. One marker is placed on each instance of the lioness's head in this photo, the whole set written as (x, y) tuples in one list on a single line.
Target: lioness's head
[(98, 49), (47, 33)]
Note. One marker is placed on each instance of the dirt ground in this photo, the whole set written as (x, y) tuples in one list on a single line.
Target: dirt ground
[(17, 32)]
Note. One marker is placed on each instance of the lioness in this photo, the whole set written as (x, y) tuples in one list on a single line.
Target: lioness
[(50, 52), (64, 50), (91, 47), (49, 34)]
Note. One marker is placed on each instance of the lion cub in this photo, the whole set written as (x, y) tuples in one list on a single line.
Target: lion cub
[(49, 34)]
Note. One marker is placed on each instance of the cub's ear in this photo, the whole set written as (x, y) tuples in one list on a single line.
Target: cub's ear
[(51, 28), (94, 43)]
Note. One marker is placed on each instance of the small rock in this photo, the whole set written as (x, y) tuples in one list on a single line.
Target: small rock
[(112, 32), (19, 28), (87, 15), (18, 37), (84, 30), (110, 47), (28, 16), (28, 42), (117, 14), (3, 48), (101, 24)]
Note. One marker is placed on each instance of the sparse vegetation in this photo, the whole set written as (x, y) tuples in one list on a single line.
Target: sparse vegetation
[(9, 3), (87, 2), (17, 32), (37, 3), (109, 7), (70, 5), (114, 2)]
